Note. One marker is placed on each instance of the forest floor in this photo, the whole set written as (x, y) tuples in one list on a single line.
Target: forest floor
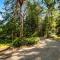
[(47, 49)]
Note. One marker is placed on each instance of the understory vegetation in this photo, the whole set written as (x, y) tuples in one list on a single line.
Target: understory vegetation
[(25, 41), (25, 21)]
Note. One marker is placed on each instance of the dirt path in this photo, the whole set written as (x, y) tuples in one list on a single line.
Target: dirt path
[(46, 50)]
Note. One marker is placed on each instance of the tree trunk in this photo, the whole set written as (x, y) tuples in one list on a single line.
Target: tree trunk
[(19, 3), (21, 23)]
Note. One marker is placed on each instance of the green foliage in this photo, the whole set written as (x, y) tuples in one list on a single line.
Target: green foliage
[(58, 25), (31, 23), (5, 41), (17, 42), (32, 40), (25, 41), (49, 23), (50, 3), (38, 20)]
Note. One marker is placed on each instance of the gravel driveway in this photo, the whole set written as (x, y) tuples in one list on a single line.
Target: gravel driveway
[(46, 50)]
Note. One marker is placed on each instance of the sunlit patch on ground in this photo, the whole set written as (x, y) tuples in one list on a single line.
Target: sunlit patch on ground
[(3, 46), (48, 50)]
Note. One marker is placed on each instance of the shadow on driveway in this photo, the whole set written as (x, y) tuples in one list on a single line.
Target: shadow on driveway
[(51, 51)]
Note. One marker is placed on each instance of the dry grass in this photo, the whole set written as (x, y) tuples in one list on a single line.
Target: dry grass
[(55, 37)]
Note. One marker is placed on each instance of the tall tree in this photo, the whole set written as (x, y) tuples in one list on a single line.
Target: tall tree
[(19, 4), (50, 5), (32, 18)]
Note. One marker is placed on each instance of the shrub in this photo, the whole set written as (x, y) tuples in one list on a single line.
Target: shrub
[(25, 41), (5, 41), (17, 42), (32, 40)]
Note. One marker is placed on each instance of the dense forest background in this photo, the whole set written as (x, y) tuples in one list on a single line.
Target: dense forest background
[(25, 21)]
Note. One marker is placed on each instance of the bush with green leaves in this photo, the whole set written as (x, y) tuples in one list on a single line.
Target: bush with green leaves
[(25, 41), (5, 41), (32, 40), (17, 42)]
